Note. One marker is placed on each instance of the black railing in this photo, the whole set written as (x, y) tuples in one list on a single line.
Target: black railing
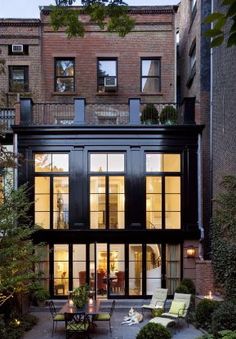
[(52, 114), (7, 118), (107, 114)]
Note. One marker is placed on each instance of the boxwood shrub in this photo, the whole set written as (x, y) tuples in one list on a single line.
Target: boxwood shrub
[(204, 311), (224, 317), (153, 331)]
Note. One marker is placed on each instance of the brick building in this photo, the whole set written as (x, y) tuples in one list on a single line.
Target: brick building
[(114, 182)]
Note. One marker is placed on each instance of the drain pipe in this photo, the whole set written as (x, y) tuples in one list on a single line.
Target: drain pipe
[(200, 218), (15, 152)]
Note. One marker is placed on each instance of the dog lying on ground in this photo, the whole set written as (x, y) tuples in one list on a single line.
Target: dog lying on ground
[(133, 317)]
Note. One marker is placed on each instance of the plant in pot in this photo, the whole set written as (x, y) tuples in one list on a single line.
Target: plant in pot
[(80, 296), (168, 115), (150, 115), (39, 294)]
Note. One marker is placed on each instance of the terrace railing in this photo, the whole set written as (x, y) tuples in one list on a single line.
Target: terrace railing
[(7, 118)]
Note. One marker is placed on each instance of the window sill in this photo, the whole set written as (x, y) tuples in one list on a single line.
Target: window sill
[(159, 94), (104, 94), (25, 93), (64, 93)]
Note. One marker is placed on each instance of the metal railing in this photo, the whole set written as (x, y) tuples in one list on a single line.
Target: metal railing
[(52, 114), (107, 114), (7, 118)]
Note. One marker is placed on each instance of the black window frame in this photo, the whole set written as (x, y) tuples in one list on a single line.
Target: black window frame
[(102, 77), (151, 76), (25, 86), (65, 76), (192, 67)]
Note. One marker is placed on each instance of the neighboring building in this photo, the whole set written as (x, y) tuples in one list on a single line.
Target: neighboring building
[(117, 200), (194, 81)]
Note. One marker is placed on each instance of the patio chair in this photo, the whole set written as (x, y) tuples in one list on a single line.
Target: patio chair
[(178, 310), (158, 300), (55, 316), (77, 324), (106, 316)]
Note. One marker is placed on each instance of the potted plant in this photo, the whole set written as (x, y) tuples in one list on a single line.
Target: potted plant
[(80, 296), (150, 115), (39, 294), (169, 115)]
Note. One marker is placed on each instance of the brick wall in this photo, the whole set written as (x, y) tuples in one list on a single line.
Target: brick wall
[(204, 277), (26, 32)]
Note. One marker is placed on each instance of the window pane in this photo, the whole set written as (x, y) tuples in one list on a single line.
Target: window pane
[(97, 185), (79, 265), (117, 269), (116, 162), (65, 85), (153, 185), (153, 266), (116, 202), (97, 202), (42, 185), (172, 184), (60, 202), (172, 267), (42, 202), (65, 68), (61, 269), (42, 219), (60, 184), (150, 85), (116, 185), (98, 162), (154, 162), (151, 67), (172, 163), (153, 202), (172, 202), (106, 68), (173, 220), (18, 74), (60, 162), (43, 162), (153, 220), (97, 220), (135, 269)]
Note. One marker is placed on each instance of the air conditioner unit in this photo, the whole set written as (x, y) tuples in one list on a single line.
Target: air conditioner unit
[(17, 48), (110, 82)]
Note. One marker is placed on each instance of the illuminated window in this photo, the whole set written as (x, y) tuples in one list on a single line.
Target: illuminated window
[(51, 191), (163, 191), (107, 192)]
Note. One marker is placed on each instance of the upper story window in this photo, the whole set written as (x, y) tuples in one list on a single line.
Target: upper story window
[(192, 63), (64, 75), (163, 191), (18, 78), (107, 75), (150, 75), (51, 190), (107, 191), (193, 5)]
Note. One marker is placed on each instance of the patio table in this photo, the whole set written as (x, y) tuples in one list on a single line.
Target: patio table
[(89, 309)]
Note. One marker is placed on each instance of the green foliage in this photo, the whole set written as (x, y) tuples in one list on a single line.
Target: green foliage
[(168, 115), (220, 19), (28, 321), (204, 312), (15, 327), (157, 312), (39, 293), (223, 237), (80, 296), (153, 331), (182, 289), (227, 334), (224, 317), (190, 285), (150, 114), (111, 15)]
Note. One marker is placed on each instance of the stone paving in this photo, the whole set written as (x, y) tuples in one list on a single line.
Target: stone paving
[(44, 328)]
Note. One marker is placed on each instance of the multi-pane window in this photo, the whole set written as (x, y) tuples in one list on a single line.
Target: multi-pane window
[(64, 75), (18, 78), (153, 267), (150, 75), (192, 63), (173, 274), (61, 269), (106, 75), (51, 187), (107, 191), (163, 191), (135, 269)]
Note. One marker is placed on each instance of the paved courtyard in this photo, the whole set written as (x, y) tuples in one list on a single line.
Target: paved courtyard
[(44, 328)]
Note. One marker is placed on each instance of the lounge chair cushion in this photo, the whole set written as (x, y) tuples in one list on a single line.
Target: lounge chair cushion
[(177, 307), (102, 316), (163, 321), (59, 317)]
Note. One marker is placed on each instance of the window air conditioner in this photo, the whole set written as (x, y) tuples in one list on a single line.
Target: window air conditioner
[(17, 48), (110, 82)]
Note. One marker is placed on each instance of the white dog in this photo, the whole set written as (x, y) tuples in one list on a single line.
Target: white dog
[(133, 317)]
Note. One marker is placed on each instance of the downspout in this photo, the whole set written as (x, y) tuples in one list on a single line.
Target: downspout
[(200, 218), (15, 152)]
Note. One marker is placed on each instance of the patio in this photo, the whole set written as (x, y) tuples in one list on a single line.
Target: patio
[(44, 328)]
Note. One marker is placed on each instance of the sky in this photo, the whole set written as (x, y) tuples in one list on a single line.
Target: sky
[(30, 8)]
